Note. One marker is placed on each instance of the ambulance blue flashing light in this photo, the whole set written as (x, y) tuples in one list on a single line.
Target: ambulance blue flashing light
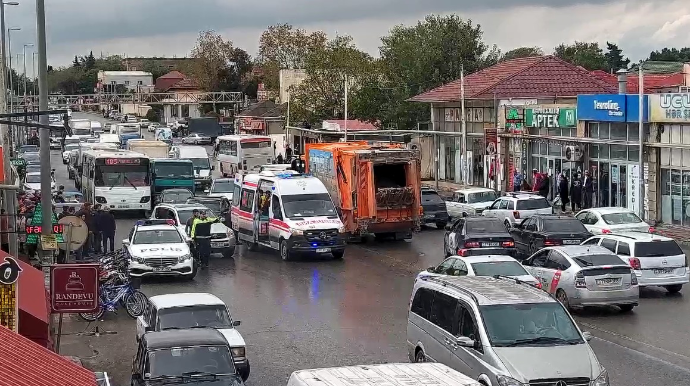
[(155, 222)]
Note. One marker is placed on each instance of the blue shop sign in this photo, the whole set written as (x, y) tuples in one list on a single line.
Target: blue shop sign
[(610, 108)]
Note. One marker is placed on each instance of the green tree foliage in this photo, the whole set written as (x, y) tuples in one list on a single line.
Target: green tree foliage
[(282, 46), (81, 77), (614, 58), (415, 59), (322, 94), (218, 66), (587, 55), (522, 52), (671, 55)]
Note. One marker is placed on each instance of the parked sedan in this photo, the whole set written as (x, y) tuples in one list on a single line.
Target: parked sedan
[(537, 232), (434, 207), (611, 220), (492, 265), (581, 276), (196, 139), (477, 233)]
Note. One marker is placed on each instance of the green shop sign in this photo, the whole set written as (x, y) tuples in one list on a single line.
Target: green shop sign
[(551, 117)]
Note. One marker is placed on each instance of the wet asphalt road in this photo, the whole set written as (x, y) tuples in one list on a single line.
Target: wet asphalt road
[(322, 313)]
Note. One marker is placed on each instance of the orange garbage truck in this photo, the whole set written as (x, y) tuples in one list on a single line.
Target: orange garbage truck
[(375, 187)]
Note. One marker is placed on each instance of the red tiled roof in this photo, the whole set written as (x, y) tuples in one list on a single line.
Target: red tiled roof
[(173, 75), (538, 76), (25, 363), (165, 82), (184, 84), (651, 81), (352, 124)]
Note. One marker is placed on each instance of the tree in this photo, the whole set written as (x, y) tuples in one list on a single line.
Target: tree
[(282, 46), (75, 62), (155, 68), (614, 58), (219, 65), (671, 55), (78, 79), (418, 58), (587, 55), (322, 94), (89, 61), (522, 52)]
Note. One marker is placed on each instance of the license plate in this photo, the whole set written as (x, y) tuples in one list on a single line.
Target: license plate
[(427, 216), (490, 244), (162, 269), (323, 250), (123, 206), (609, 281), (663, 271), (217, 245), (571, 242)]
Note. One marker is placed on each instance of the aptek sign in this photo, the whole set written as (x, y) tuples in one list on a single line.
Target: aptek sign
[(551, 117), (74, 288), (670, 107)]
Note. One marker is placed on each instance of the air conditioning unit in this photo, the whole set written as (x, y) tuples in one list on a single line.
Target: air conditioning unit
[(414, 146), (573, 153)]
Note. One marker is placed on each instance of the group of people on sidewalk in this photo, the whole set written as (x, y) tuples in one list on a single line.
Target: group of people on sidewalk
[(101, 230), (578, 192)]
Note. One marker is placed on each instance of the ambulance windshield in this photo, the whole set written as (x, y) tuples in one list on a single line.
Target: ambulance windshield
[(308, 205)]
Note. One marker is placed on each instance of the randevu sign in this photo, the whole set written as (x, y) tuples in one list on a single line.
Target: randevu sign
[(74, 288)]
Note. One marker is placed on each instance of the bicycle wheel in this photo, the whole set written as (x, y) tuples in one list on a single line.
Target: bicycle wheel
[(92, 316), (135, 304)]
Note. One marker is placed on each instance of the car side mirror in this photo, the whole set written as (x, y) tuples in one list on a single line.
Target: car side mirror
[(464, 341), (236, 323), (587, 335), (448, 227), (431, 269), (125, 242)]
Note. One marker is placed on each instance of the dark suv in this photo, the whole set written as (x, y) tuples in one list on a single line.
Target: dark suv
[(434, 207)]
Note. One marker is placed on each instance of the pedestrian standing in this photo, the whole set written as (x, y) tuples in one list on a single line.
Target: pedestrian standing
[(201, 234), (64, 213), (108, 228), (81, 252), (543, 187), (563, 191), (536, 180), (97, 214), (517, 181), (288, 153), (588, 187), (576, 193), (86, 214)]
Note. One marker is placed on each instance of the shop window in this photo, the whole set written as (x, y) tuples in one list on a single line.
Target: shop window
[(593, 129), (676, 157), (685, 133), (543, 149), (604, 152), (569, 132), (533, 130), (555, 150), (665, 136), (633, 132), (633, 153), (554, 132), (619, 131), (594, 151), (604, 131), (665, 157), (686, 158), (619, 152), (675, 134)]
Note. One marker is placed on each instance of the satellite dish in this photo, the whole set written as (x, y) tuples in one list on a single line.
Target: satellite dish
[(75, 232)]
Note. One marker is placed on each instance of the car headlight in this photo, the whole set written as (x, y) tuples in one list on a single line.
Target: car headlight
[(184, 258), (508, 381), (238, 352), (139, 260), (297, 232), (602, 379), (341, 229)]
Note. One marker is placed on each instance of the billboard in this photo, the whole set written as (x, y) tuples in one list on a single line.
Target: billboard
[(9, 303), (669, 107), (551, 117), (74, 288), (611, 108)]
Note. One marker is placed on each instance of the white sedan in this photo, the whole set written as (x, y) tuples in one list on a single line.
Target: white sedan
[(490, 265), (611, 220)]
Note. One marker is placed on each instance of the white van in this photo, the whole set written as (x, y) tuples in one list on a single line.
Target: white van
[(389, 374), (202, 165), (297, 214)]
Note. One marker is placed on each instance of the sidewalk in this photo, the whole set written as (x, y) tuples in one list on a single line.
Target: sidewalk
[(678, 233)]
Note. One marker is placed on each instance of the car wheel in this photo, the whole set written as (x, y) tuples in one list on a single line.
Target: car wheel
[(562, 297), (441, 224), (284, 251), (626, 307), (507, 224), (338, 255), (229, 253), (674, 288), (419, 356)]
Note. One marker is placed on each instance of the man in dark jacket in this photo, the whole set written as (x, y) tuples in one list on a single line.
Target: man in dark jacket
[(576, 193), (86, 212), (107, 227), (588, 187), (544, 185), (97, 237)]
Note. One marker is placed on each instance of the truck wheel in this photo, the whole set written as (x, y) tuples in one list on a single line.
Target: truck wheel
[(284, 251), (251, 246)]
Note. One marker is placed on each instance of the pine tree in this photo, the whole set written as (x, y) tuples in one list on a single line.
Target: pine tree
[(75, 62), (90, 61), (614, 58)]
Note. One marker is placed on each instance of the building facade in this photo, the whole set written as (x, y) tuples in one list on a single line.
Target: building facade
[(137, 81)]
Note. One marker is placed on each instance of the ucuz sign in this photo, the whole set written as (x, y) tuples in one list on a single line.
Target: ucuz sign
[(670, 107)]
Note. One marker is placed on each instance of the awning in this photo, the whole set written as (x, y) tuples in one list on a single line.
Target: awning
[(25, 363)]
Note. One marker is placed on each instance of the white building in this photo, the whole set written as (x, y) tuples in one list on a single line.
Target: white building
[(140, 81)]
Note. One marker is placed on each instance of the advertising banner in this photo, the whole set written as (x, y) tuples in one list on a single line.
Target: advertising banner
[(74, 288), (9, 304), (551, 117), (602, 107), (670, 107)]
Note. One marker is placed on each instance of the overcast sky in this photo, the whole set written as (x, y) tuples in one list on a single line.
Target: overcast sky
[(170, 27)]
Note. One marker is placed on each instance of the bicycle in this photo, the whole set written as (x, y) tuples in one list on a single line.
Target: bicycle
[(133, 301)]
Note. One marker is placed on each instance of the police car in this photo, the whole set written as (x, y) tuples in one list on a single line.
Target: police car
[(158, 247)]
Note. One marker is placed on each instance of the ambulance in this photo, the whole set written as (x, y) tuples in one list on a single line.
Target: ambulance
[(286, 211)]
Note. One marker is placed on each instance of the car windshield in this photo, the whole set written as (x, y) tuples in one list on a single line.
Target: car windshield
[(33, 168), (215, 316), (531, 324), (177, 197), (182, 361), (29, 157), (73, 197), (308, 205), (503, 268), (28, 149), (33, 178), (485, 226), (71, 146), (201, 163), (222, 187), (214, 205), (170, 236), (171, 169), (657, 249), (431, 197), (564, 225), (473, 198), (596, 260), (186, 214), (533, 204), (621, 218)]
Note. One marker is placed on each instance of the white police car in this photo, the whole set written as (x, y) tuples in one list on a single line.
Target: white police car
[(157, 247)]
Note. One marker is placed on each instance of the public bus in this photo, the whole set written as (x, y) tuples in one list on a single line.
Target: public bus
[(243, 152), (117, 179)]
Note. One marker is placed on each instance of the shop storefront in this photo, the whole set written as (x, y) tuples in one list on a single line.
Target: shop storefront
[(670, 115)]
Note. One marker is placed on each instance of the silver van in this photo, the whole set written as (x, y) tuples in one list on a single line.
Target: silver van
[(499, 331)]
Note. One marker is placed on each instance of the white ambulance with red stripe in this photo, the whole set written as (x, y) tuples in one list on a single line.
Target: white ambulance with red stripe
[(287, 211)]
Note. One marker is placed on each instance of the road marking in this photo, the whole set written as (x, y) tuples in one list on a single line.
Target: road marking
[(649, 356)]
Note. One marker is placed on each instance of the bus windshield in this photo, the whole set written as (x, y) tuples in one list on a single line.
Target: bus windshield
[(201, 163), (174, 169), (81, 131), (114, 176), (128, 129), (252, 145)]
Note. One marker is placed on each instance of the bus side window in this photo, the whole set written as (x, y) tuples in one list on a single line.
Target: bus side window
[(233, 148)]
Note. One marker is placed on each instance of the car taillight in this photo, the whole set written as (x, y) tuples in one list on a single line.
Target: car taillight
[(633, 279), (635, 263), (551, 243), (508, 244), (605, 231), (471, 244), (652, 230), (516, 214), (580, 280)]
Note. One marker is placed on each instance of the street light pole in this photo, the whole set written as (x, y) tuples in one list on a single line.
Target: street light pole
[(25, 74), (34, 80), (3, 68), (46, 196), (9, 57), (640, 106)]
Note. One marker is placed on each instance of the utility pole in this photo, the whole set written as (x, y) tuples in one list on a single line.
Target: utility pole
[(465, 169), (46, 199), (640, 106), (9, 58), (346, 84), (26, 76)]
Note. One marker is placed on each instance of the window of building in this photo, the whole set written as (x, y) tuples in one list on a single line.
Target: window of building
[(139, 82), (126, 83), (593, 129), (619, 152), (603, 130), (619, 131), (133, 69)]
